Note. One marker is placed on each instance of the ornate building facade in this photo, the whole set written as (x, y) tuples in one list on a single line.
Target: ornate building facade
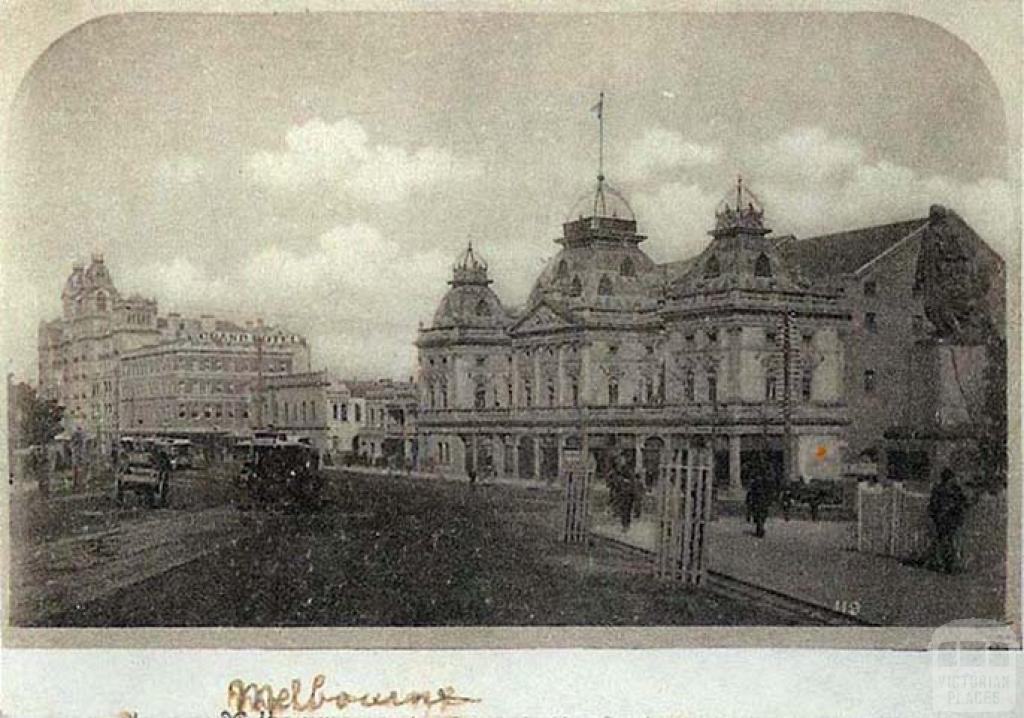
[(116, 365), (732, 347)]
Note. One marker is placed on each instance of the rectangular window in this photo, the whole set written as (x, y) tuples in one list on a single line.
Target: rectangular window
[(869, 381), (870, 288), (712, 387), (871, 322), (805, 386)]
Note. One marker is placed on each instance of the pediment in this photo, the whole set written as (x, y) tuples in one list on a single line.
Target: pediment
[(542, 317)]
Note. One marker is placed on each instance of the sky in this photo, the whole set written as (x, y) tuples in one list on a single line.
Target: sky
[(323, 171)]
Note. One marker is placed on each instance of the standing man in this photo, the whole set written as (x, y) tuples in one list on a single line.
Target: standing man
[(759, 498), (947, 507), (622, 490)]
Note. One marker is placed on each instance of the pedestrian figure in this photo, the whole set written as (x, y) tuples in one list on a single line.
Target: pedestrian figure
[(621, 485), (786, 501), (814, 501), (947, 507), (41, 470), (759, 498)]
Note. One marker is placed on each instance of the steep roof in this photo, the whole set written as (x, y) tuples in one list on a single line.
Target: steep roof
[(845, 252)]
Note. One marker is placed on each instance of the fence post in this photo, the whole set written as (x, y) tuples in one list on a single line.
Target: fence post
[(685, 495), (577, 474)]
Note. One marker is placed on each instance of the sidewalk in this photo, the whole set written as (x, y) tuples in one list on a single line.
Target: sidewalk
[(814, 561), (443, 476)]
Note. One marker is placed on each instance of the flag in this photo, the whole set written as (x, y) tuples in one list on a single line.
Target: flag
[(598, 109)]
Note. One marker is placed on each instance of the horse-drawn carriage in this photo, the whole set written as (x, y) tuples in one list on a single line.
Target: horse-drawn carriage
[(279, 470), (143, 469)]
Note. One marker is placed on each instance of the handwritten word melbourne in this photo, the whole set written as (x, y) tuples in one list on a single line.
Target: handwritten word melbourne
[(249, 697)]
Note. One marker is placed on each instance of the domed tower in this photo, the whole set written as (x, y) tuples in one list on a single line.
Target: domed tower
[(740, 253), (98, 288), (600, 264), (72, 289), (463, 353), (470, 302)]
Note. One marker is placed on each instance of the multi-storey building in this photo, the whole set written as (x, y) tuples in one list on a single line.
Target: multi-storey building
[(116, 365), (204, 382), (762, 347), (890, 340), (389, 433), (318, 407), (731, 347), (79, 352)]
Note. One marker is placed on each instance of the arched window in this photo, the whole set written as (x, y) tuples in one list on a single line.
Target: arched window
[(527, 393), (480, 397), (763, 266), (627, 268), (563, 269), (712, 386), (688, 385), (806, 383), (613, 391), (576, 289), (552, 398), (712, 268), (482, 308), (771, 387), (604, 287)]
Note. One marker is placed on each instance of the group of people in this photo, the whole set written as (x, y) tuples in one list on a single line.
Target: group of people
[(625, 490), (948, 503)]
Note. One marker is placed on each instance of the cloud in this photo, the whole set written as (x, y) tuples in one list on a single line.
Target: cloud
[(811, 183), (808, 153), (355, 295), (814, 183), (660, 149), (181, 170), (676, 217), (340, 154)]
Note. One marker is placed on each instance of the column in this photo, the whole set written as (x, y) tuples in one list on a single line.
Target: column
[(498, 449), (584, 378), (515, 382), (476, 455), (515, 456), (540, 391), (638, 457), (735, 480), (537, 454), (564, 396)]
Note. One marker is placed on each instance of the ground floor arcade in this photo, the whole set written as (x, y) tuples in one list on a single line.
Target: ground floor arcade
[(739, 453)]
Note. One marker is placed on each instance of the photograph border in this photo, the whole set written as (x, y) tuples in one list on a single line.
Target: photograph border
[(35, 28)]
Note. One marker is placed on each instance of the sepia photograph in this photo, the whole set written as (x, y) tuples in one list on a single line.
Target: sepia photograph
[(459, 320)]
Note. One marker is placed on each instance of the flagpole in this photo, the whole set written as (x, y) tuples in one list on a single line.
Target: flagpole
[(600, 130), (599, 195)]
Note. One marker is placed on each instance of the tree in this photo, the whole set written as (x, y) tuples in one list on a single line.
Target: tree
[(992, 444), (41, 419)]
